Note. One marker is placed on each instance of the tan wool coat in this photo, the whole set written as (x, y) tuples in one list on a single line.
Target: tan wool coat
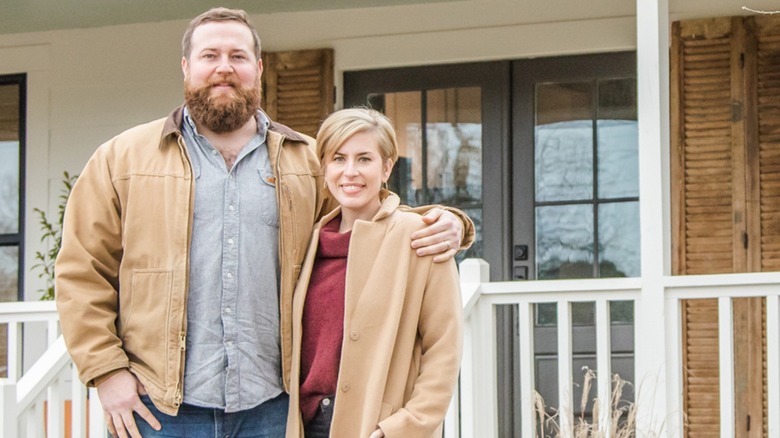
[(402, 332)]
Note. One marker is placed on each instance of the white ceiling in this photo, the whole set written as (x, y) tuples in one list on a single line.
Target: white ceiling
[(19, 16)]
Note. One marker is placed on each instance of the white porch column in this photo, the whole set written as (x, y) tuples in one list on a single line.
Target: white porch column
[(653, 105)]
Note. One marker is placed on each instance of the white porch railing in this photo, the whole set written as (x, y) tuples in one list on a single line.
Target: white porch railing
[(52, 380), (33, 403), (477, 404)]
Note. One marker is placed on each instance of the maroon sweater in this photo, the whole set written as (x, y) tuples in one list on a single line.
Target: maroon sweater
[(323, 319)]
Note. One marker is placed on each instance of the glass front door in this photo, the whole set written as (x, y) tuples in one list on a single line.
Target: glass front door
[(542, 154)]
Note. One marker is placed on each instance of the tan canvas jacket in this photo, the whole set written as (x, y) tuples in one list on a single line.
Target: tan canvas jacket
[(122, 272)]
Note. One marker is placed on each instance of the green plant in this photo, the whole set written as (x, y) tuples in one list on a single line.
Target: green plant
[(51, 232)]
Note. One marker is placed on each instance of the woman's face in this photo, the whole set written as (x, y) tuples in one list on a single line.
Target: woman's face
[(355, 174)]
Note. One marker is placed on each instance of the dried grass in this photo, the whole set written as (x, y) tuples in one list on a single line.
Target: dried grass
[(622, 421)]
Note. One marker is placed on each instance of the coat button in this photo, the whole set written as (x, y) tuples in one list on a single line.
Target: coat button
[(345, 387), (326, 401), (354, 336)]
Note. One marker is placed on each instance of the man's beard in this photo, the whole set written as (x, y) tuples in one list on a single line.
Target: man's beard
[(224, 112)]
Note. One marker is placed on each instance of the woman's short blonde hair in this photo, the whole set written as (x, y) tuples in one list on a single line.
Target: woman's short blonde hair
[(343, 124)]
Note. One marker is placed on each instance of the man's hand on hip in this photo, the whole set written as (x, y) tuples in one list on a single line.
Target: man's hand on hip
[(119, 397)]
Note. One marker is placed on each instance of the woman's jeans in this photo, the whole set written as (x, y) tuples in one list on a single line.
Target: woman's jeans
[(319, 426), (268, 420)]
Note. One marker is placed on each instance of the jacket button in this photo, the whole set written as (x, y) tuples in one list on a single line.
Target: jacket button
[(345, 387), (354, 336)]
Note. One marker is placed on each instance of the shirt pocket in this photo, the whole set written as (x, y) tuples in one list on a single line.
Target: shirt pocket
[(270, 208)]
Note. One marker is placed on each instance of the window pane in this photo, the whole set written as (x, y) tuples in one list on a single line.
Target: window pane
[(564, 241), (405, 110), (441, 164), (564, 142), (9, 274), (9, 158), (619, 239), (618, 138), (454, 146), (621, 312)]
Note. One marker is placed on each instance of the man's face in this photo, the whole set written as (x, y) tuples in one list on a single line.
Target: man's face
[(222, 76)]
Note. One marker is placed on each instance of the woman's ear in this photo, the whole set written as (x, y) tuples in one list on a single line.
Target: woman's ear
[(388, 169)]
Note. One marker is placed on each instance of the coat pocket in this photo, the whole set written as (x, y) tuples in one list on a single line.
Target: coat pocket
[(385, 411), (144, 315)]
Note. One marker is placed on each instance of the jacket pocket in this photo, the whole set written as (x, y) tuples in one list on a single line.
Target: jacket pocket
[(385, 411), (144, 316), (268, 194)]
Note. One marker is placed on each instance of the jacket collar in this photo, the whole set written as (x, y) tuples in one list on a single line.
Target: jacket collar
[(175, 119)]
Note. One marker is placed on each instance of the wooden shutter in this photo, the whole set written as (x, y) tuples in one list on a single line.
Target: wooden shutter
[(298, 88), (702, 199), (768, 114), (767, 30), (707, 155), (726, 198)]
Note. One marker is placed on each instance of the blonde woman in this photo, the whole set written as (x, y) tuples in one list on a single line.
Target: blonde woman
[(376, 330)]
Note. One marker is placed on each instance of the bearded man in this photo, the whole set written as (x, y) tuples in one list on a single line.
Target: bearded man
[(182, 242)]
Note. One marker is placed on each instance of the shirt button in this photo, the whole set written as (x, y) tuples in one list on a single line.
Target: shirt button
[(230, 241), (231, 208), (354, 336), (229, 275), (228, 310), (213, 152), (345, 387), (229, 343)]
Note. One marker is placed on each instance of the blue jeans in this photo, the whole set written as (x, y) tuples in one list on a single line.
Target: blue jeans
[(269, 420)]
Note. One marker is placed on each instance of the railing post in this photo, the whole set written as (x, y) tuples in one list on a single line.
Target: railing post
[(78, 404), (473, 272), (97, 424), (726, 349), (604, 366), (8, 409), (565, 394), (652, 37), (773, 364)]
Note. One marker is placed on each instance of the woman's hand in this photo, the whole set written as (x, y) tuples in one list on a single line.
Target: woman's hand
[(377, 434)]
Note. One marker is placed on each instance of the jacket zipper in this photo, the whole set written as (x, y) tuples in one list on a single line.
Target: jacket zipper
[(178, 396)]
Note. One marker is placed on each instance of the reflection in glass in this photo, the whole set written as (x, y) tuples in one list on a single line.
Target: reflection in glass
[(618, 139), (582, 314), (563, 142), (564, 241), (9, 273), (9, 270), (405, 110), (621, 312), (9, 187), (9, 158), (619, 239), (618, 159), (440, 150)]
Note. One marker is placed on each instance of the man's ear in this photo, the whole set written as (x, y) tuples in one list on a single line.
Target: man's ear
[(184, 66), (260, 67)]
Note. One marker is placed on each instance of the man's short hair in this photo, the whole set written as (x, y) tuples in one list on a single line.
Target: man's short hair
[(218, 14)]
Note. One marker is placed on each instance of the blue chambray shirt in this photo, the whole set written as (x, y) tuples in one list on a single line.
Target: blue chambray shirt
[(233, 358)]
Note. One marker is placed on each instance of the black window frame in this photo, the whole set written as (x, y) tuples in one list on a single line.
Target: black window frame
[(17, 239)]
